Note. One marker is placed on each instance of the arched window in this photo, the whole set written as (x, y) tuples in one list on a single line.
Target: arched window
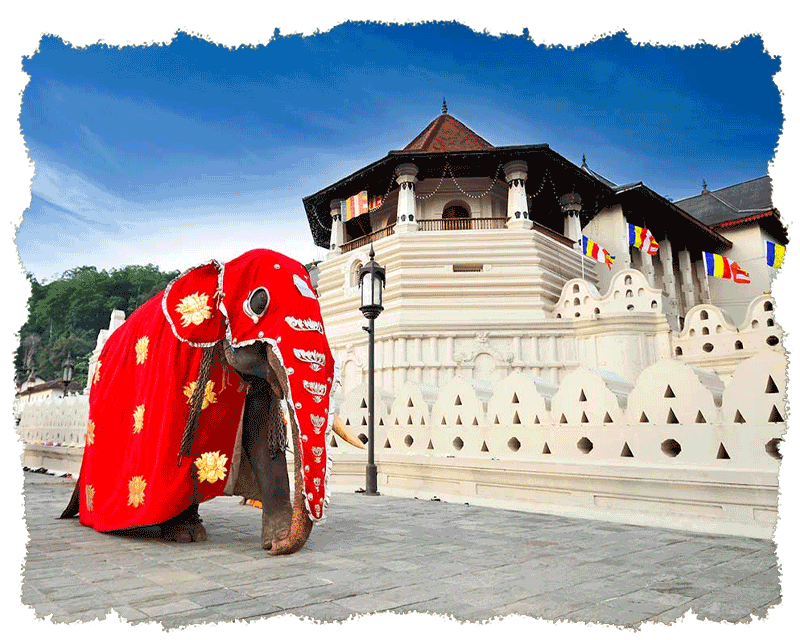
[(454, 216)]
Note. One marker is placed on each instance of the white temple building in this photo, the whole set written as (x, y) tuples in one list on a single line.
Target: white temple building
[(493, 320)]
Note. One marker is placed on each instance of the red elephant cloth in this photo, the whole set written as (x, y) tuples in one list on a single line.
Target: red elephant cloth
[(133, 473)]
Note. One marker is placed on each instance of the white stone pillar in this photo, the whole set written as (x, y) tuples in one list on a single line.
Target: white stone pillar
[(702, 276), (668, 280), (648, 269), (517, 211), (687, 283), (406, 199), (337, 227), (571, 208)]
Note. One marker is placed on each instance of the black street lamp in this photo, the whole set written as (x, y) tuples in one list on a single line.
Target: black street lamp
[(66, 375), (371, 280)]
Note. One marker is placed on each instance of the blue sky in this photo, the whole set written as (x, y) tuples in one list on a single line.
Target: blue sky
[(176, 154)]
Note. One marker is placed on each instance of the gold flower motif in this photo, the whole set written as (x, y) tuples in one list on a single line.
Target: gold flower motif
[(136, 487), (194, 309), (89, 494), (90, 433), (138, 419), (211, 466), (96, 377), (141, 349), (209, 397)]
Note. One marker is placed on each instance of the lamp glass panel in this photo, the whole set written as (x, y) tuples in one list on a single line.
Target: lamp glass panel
[(366, 290)]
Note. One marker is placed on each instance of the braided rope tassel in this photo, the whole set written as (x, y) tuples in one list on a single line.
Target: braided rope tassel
[(196, 402)]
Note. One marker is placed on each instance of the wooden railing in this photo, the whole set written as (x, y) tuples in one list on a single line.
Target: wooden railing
[(452, 224), (461, 224), (367, 239)]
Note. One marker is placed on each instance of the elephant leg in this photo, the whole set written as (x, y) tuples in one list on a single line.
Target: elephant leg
[(262, 439), (185, 527)]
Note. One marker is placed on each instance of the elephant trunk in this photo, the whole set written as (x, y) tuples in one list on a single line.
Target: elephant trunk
[(300, 528)]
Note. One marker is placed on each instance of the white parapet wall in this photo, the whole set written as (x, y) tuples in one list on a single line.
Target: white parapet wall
[(677, 449)]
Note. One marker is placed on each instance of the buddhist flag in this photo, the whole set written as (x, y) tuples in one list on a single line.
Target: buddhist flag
[(356, 205), (775, 254), (641, 238), (720, 267), (375, 202), (593, 250)]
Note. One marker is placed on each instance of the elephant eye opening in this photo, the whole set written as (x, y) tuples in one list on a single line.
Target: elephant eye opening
[(256, 303)]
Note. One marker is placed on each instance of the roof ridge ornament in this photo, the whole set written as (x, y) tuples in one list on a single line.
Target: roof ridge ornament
[(444, 105)]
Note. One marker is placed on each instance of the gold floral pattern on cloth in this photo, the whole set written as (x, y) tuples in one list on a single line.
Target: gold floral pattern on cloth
[(89, 495), (211, 466), (138, 419), (96, 377), (141, 349), (194, 309), (90, 433), (209, 396), (136, 487)]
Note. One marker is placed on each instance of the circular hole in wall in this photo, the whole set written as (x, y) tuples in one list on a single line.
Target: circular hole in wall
[(708, 347), (363, 438), (767, 306), (514, 444), (670, 448), (738, 345), (585, 445), (678, 351), (772, 341), (630, 307), (458, 444), (408, 440)]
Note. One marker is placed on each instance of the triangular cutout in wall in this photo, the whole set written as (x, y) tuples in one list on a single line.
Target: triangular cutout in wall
[(607, 419), (563, 419), (775, 415), (700, 419), (516, 418), (672, 418), (582, 397), (771, 386), (669, 393), (333, 442), (458, 401), (515, 399), (644, 417), (626, 452), (584, 418), (386, 445), (430, 445), (722, 453), (484, 448), (738, 418), (545, 449)]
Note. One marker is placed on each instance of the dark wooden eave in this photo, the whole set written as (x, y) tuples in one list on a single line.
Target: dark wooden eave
[(644, 207)]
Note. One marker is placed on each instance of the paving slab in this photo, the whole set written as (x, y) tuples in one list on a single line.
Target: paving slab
[(391, 554)]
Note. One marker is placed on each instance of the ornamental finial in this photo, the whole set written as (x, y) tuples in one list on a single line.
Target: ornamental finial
[(444, 106)]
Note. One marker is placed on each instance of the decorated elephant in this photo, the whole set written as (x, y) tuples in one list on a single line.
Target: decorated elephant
[(186, 405)]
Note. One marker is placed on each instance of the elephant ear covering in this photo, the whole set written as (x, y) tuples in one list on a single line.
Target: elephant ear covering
[(191, 306), (291, 325)]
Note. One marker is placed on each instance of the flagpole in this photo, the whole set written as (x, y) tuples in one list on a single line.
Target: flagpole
[(580, 242)]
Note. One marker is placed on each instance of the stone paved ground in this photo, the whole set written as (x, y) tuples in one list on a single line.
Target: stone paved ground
[(392, 554)]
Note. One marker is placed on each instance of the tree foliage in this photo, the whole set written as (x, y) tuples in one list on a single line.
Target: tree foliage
[(65, 316)]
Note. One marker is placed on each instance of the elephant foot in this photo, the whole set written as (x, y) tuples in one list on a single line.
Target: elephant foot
[(275, 526), (185, 527)]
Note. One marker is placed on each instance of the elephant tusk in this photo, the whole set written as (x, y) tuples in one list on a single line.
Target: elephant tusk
[(345, 434)]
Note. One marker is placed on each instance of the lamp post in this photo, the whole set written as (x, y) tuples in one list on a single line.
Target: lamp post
[(66, 375), (371, 280)]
